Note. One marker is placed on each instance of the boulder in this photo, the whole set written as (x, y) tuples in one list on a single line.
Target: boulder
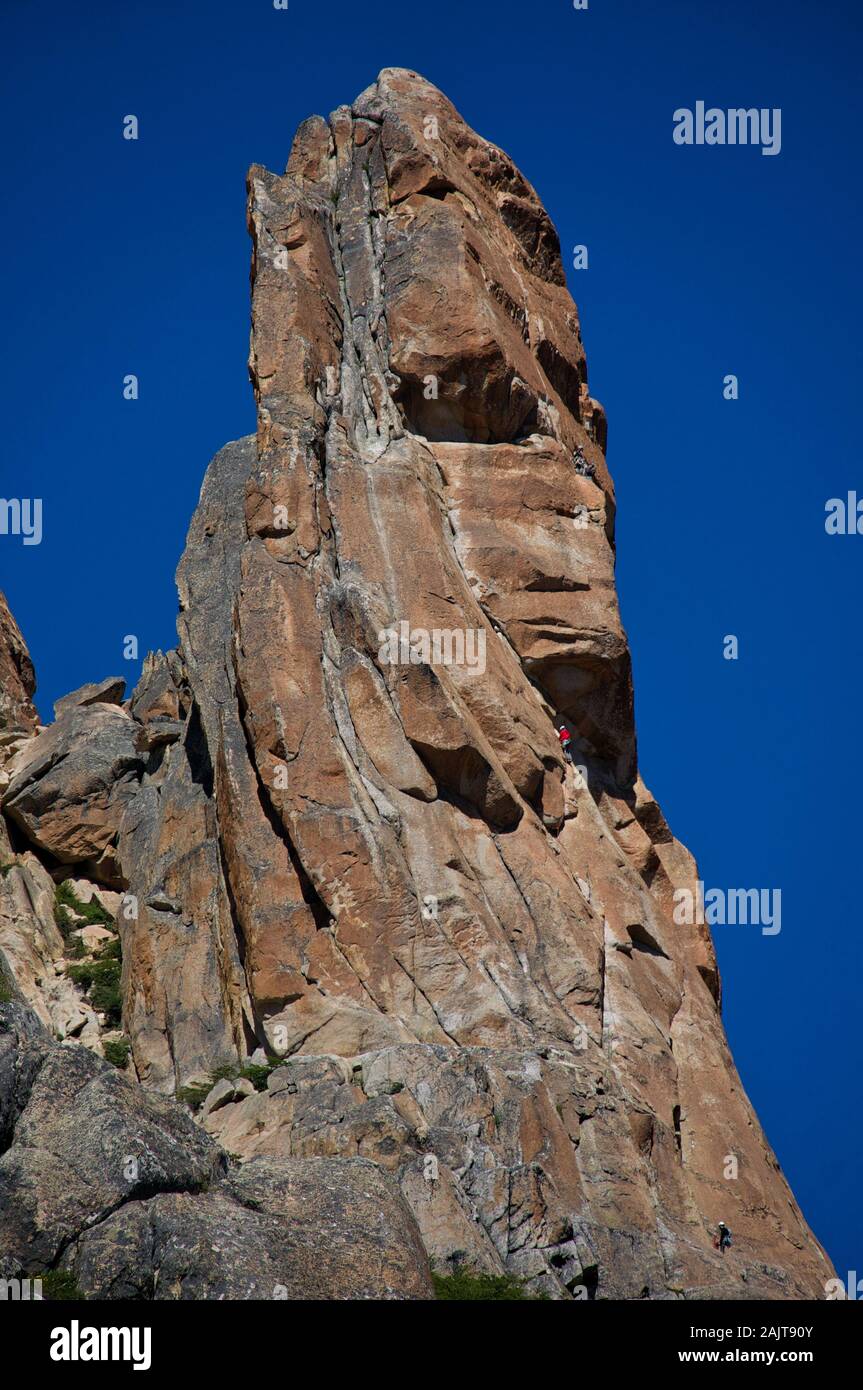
[(275, 1229), (107, 692), (225, 1091), (84, 1142), (71, 785)]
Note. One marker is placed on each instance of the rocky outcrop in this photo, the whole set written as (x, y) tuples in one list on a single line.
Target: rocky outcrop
[(183, 984), (528, 1162), (339, 812), (107, 692), (17, 678), (79, 1141), (121, 1190), (70, 786), (35, 952), (274, 1229)]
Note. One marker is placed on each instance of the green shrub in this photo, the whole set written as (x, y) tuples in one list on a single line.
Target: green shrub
[(194, 1095), (257, 1074), (93, 913), (485, 1288), (81, 975), (65, 923), (100, 981), (117, 1052), (105, 996), (229, 1072)]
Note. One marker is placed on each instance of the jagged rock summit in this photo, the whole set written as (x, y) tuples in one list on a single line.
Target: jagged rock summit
[(339, 811)]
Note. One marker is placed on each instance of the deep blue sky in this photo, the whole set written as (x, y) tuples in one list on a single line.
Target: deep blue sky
[(126, 257)]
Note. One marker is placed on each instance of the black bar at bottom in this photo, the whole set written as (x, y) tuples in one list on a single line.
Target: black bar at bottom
[(66, 1339)]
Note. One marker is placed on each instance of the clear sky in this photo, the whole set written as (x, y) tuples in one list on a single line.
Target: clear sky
[(132, 257)]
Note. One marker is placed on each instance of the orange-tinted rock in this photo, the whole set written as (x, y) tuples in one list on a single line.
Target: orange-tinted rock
[(70, 786), (17, 678)]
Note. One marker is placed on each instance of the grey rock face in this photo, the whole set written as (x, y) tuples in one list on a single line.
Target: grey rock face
[(84, 1141), (22, 1040), (182, 981), (275, 1229), (124, 1190), (525, 1162)]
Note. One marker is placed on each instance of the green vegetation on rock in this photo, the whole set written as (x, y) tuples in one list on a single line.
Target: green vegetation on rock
[(195, 1094), (117, 1052), (59, 1286), (482, 1288), (256, 1072), (66, 901), (99, 979)]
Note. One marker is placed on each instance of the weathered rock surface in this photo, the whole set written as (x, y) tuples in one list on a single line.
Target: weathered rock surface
[(83, 1141), (340, 810), (35, 953), (534, 1163), (107, 692), (277, 1228), (183, 987), (69, 787), (121, 1188), (17, 677)]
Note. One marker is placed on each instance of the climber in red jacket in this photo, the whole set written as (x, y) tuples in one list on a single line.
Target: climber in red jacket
[(565, 740)]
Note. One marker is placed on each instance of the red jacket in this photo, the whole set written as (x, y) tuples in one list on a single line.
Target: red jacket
[(564, 736)]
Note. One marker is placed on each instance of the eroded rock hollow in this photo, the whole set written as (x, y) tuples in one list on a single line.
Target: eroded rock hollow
[(339, 809)]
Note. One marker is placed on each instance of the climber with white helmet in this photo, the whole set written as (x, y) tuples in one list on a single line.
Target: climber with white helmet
[(582, 465)]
